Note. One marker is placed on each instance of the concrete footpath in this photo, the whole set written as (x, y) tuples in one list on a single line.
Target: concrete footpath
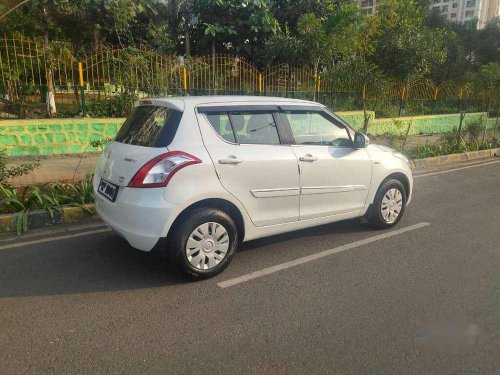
[(67, 168)]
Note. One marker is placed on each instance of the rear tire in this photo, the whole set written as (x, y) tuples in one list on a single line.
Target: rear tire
[(389, 204), (202, 243)]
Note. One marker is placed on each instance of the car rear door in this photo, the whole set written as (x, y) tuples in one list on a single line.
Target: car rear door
[(334, 176), (253, 160)]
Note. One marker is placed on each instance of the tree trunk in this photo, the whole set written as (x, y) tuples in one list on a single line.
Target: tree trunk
[(460, 126), (188, 42), (213, 67), (487, 116), (366, 116), (51, 94), (406, 136), (496, 123), (316, 68)]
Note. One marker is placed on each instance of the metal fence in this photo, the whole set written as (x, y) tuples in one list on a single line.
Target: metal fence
[(107, 80)]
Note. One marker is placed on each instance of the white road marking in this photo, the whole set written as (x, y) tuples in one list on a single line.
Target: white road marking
[(455, 169), (321, 254), (67, 236)]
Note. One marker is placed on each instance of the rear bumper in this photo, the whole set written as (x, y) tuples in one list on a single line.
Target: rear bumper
[(138, 215)]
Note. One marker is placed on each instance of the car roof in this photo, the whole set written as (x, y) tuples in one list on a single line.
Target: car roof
[(179, 102)]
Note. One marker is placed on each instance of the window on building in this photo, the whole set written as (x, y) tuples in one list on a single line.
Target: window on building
[(453, 15), (444, 8), (471, 3), (454, 5), (367, 11), (366, 3), (469, 13)]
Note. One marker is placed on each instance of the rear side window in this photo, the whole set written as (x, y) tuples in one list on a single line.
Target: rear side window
[(150, 126), (221, 124), (255, 128), (245, 127)]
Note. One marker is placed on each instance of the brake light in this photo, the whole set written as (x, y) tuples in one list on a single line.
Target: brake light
[(158, 171)]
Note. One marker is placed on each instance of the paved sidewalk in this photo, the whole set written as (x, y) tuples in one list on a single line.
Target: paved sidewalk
[(56, 168)]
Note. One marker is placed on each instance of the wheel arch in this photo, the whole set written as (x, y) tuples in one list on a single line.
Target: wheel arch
[(401, 177), (220, 204)]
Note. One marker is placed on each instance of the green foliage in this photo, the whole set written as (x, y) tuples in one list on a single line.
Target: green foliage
[(51, 197), (449, 144), (474, 129), (406, 47), (405, 40), (232, 25), (100, 143), (115, 106), (7, 173)]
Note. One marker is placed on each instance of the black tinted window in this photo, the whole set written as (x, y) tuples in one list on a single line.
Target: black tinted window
[(220, 123), (150, 126)]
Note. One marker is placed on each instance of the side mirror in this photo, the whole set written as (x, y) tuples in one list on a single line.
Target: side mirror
[(361, 140)]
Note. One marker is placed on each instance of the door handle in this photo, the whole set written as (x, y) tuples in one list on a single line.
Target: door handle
[(230, 160), (308, 158)]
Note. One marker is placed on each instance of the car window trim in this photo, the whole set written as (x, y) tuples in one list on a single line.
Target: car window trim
[(238, 108)]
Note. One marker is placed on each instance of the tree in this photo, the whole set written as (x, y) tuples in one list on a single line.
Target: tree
[(239, 26), (309, 46), (351, 34), (406, 47), (490, 77)]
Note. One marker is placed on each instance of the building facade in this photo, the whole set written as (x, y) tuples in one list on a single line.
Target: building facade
[(461, 11)]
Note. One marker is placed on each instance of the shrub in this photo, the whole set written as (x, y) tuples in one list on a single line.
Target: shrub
[(448, 144), (474, 129), (10, 172), (51, 197)]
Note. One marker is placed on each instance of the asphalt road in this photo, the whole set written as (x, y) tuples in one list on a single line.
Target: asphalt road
[(421, 301)]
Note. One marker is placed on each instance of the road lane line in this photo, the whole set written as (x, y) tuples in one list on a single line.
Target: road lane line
[(456, 169), (67, 236), (309, 258)]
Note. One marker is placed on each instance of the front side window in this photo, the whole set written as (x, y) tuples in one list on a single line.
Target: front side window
[(313, 128), (146, 125)]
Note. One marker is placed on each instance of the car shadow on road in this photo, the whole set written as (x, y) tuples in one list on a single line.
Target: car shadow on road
[(105, 262), (341, 227), (93, 263)]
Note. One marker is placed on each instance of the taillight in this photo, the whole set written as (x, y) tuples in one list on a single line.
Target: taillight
[(158, 171)]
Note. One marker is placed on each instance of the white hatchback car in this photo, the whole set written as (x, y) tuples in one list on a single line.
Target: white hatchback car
[(204, 173)]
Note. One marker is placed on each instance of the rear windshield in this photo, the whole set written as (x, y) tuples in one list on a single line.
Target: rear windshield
[(150, 126)]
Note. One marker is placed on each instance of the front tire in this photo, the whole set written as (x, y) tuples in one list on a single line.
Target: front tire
[(203, 242), (389, 204)]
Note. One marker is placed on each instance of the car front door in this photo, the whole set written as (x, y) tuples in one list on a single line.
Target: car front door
[(252, 160), (334, 176)]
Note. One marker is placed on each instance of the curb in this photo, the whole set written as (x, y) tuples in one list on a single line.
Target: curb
[(453, 158), (41, 218)]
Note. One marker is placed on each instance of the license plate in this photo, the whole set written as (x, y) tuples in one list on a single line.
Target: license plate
[(108, 190)]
